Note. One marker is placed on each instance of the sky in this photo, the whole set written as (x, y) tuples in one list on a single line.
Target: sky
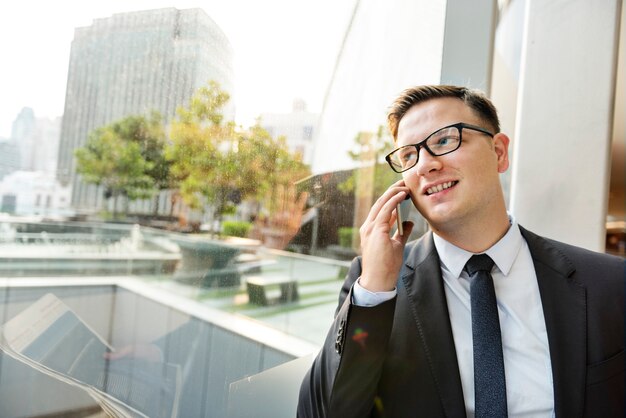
[(298, 39)]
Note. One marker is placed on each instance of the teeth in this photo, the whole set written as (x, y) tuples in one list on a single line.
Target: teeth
[(439, 187)]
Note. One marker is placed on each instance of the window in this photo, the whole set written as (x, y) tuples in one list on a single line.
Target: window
[(161, 241), (307, 133), (186, 255)]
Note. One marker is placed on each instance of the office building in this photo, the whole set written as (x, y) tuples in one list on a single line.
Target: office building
[(131, 64), (28, 193), (33, 145), (9, 157), (299, 127)]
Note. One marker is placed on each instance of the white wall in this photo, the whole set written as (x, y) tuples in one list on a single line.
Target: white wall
[(565, 114)]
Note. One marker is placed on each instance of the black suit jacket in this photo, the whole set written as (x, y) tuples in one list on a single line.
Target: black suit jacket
[(398, 359)]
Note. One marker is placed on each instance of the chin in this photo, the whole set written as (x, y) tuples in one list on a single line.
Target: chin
[(443, 219), (443, 212)]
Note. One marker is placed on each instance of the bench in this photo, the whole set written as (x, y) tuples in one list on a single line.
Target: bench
[(271, 290), (248, 263)]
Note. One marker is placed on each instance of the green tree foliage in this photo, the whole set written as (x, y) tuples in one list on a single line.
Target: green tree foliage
[(198, 137), (264, 163), (126, 157), (214, 162), (369, 151)]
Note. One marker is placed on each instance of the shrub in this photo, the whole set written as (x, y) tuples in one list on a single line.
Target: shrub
[(236, 228), (345, 236)]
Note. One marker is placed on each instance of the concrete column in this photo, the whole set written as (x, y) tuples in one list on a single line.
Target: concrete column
[(565, 113), (468, 43)]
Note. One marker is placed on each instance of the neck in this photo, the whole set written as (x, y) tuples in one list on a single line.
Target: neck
[(473, 236)]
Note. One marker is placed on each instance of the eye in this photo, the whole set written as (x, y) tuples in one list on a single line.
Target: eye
[(444, 141), (407, 155)]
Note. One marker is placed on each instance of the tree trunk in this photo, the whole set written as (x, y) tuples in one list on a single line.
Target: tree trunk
[(126, 205), (156, 203), (115, 196)]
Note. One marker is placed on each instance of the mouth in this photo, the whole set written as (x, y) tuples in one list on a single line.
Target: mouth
[(440, 187)]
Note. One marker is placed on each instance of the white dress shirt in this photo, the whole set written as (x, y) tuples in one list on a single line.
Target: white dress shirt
[(527, 366)]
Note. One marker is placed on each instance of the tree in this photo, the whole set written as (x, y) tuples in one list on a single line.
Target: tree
[(264, 163), (150, 134), (199, 137), (369, 151), (127, 158), (215, 162)]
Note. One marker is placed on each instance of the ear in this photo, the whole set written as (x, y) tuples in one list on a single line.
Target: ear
[(501, 147)]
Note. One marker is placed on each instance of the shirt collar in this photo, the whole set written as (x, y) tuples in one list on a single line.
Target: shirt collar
[(503, 252)]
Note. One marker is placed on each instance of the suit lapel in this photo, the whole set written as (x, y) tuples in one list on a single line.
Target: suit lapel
[(564, 308), (421, 277)]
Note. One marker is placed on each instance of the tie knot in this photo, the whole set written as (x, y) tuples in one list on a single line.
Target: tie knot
[(479, 262)]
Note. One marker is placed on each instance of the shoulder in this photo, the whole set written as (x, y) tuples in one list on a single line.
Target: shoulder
[(567, 249), (576, 261)]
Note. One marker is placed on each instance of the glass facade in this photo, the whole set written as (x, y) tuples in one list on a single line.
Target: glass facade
[(189, 265)]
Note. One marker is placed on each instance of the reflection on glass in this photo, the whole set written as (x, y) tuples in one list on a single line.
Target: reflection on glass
[(157, 244), (51, 338)]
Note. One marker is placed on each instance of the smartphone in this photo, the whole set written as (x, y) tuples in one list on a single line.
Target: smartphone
[(402, 210)]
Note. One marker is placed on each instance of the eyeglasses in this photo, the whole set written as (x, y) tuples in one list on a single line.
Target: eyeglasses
[(441, 142)]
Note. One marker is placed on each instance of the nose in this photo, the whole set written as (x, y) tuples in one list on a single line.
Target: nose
[(427, 163)]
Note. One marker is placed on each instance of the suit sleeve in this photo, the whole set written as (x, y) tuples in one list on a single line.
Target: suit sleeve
[(343, 379)]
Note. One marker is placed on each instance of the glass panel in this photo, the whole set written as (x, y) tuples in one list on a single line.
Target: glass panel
[(181, 188), (163, 232)]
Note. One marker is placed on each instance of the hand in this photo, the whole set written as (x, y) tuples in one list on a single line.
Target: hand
[(381, 253), (285, 221)]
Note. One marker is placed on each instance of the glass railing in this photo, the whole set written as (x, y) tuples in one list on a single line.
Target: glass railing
[(237, 276), (191, 319)]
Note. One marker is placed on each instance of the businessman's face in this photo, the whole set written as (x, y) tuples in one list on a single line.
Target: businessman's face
[(462, 186)]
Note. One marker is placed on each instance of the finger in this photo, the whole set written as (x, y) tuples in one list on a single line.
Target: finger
[(394, 217), (382, 200), (389, 208), (383, 222)]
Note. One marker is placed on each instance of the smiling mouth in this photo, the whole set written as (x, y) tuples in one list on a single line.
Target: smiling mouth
[(440, 187)]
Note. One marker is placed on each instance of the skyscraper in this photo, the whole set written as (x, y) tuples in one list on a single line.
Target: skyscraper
[(13, 150), (133, 63), (299, 127)]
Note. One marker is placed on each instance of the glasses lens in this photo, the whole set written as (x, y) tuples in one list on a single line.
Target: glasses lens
[(444, 141), (441, 142), (403, 158)]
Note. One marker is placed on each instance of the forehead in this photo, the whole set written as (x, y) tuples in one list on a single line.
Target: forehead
[(425, 118)]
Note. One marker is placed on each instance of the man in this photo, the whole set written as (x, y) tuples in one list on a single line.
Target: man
[(403, 340)]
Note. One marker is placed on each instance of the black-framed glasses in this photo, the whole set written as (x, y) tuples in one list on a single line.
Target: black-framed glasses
[(441, 142)]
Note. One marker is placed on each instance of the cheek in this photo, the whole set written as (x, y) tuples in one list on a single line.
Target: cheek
[(410, 180)]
